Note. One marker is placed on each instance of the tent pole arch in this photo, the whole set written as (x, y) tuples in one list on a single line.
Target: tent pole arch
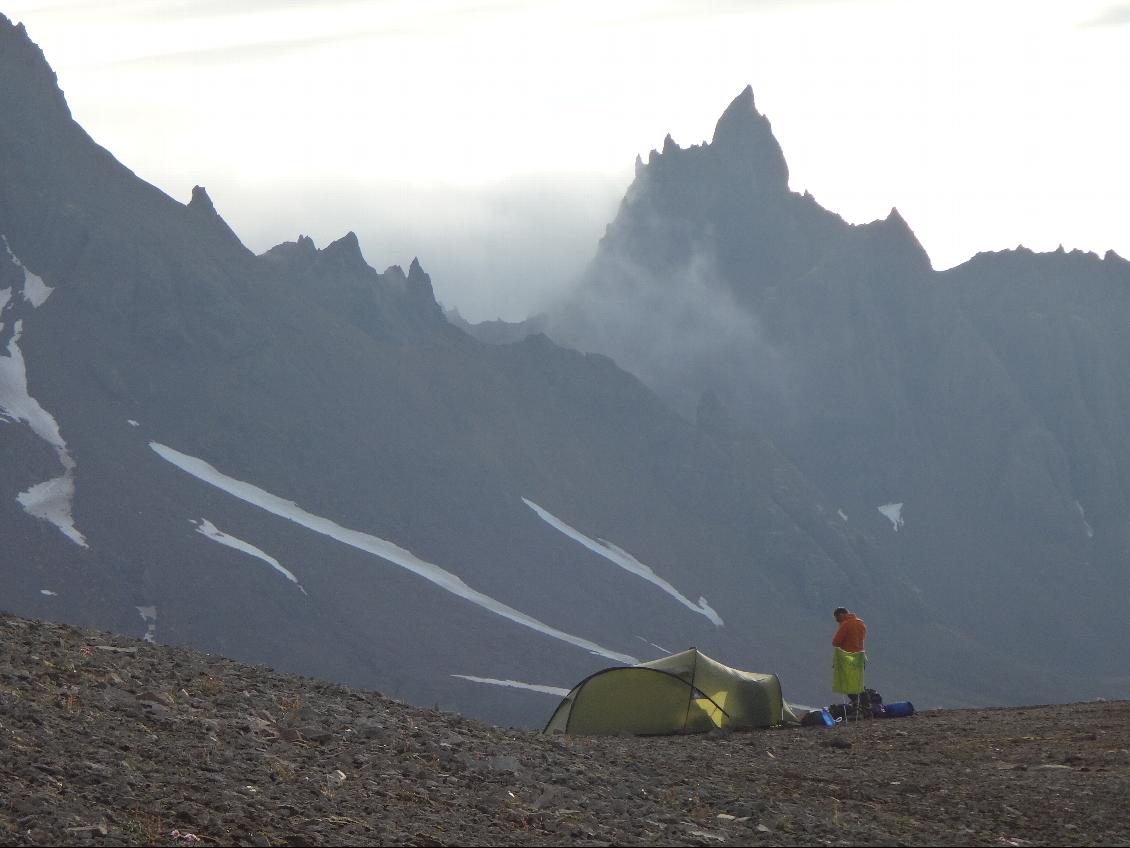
[(576, 691), (690, 695)]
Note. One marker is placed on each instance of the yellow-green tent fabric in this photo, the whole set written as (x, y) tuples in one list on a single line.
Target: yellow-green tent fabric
[(686, 692)]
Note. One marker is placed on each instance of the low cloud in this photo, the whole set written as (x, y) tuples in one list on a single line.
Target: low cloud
[(1112, 16), (498, 251), (680, 329)]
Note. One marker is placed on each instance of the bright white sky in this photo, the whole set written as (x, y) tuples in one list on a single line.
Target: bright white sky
[(494, 139)]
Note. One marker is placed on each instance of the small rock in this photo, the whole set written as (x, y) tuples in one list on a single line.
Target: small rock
[(702, 834), (154, 698)]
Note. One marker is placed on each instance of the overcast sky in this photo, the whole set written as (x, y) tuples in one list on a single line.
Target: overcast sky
[(494, 139)]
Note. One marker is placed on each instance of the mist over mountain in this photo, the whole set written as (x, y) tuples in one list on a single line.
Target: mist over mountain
[(292, 458), (970, 422)]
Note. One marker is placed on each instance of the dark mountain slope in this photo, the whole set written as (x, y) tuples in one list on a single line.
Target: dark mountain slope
[(294, 459), (971, 422)]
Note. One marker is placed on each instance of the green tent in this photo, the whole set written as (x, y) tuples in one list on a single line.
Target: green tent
[(686, 692)]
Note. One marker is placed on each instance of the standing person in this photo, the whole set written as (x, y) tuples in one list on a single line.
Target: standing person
[(849, 659)]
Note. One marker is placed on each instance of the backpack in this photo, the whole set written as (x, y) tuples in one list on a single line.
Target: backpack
[(870, 700), (870, 705)]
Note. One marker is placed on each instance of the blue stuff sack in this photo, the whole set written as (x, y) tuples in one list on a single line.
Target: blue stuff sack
[(898, 709), (818, 718)]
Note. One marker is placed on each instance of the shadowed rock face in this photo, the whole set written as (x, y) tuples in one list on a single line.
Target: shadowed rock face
[(983, 399)]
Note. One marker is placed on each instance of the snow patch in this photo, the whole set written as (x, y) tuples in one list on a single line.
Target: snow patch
[(207, 528), (132, 423), (515, 684), (5, 296), (374, 545), (893, 512), (149, 616), (842, 514), (47, 592), (15, 400), (657, 647), (35, 291), (50, 500), (1087, 528), (626, 561)]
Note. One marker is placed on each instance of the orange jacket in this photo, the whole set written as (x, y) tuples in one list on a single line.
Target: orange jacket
[(850, 634)]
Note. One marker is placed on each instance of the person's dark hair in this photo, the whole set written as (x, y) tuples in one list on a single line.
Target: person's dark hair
[(838, 610)]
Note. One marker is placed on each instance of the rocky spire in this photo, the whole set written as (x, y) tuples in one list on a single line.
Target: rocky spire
[(745, 135), (421, 291), (201, 204), (346, 251)]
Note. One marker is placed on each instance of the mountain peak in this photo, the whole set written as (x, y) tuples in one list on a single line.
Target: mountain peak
[(26, 75), (201, 201), (345, 251), (744, 134), (420, 284), (201, 204)]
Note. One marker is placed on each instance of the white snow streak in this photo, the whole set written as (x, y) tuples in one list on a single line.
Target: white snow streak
[(47, 592), (893, 512), (149, 616), (207, 528), (1087, 528), (36, 291), (370, 544), (842, 514), (657, 647), (132, 423), (625, 560), (50, 500), (16, 401), (5, 296), (515, 684)]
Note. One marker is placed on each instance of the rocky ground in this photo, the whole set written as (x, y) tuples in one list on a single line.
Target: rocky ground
[(106, 740)]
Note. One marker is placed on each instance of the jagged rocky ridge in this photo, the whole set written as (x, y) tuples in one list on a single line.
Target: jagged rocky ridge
[(294, 459), (969, 423)]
